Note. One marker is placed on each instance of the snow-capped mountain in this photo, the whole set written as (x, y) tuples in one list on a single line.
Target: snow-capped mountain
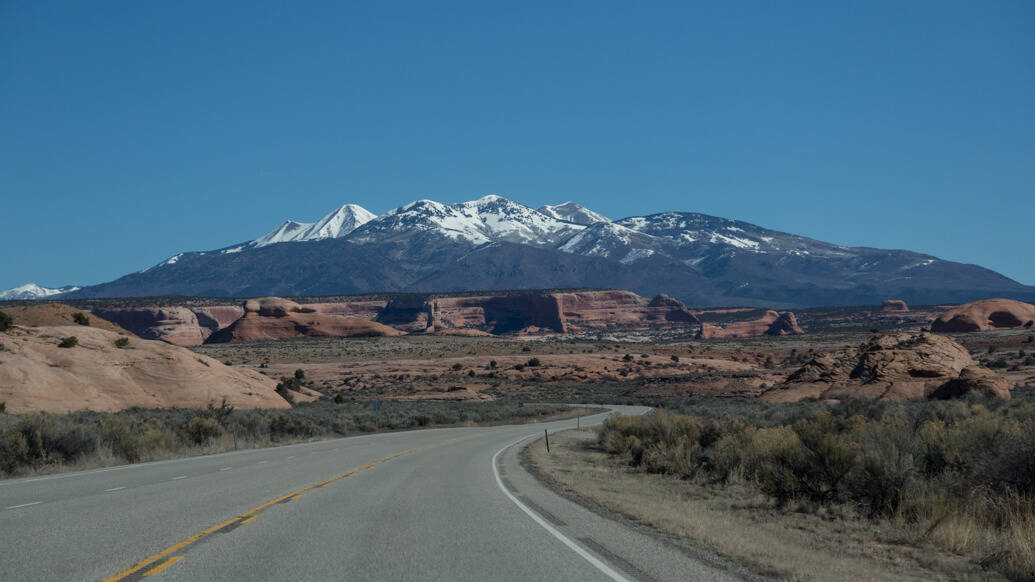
[(571, 212), (339, 223), (496, 243), (31, 291), (488, 219)]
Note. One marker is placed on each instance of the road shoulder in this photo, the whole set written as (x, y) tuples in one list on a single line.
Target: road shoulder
[(732, 522)]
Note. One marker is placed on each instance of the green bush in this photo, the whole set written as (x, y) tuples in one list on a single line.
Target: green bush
[(300, 374), (5, 321), (68, 342), (122, 342), (80, 318), (532, 362)]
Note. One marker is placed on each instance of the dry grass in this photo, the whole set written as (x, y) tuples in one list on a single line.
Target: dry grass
[(739, 523)]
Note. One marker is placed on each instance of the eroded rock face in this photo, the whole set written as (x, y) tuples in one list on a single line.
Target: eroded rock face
[(560, 312), (174, 325), (986, 315), (37, 375), (273, 318), (896, 367), (894, 306), (772, 323)]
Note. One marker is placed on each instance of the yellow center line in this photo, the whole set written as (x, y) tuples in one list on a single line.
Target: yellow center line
[(249, 515), (163, 565), (249, 519)]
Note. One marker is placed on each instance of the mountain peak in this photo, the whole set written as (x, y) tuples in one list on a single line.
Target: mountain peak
[(340, 222), (572, 212), (33, 291)]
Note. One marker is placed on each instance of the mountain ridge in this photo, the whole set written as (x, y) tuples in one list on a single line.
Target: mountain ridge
[(493, 243)]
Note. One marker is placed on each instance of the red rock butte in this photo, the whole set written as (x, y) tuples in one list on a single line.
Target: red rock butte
[(772, 324)]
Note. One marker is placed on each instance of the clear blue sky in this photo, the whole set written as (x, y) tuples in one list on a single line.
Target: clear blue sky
[(130, 131)]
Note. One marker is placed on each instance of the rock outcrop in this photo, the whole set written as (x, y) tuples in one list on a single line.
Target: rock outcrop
[(496, 313), (175, 325), (894, 306), (57, 314), (772, 324), (895, 367), (986, 315), (37, 375), (273, 318)]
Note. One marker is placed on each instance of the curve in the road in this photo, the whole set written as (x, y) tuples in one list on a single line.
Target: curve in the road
[(140, 569)]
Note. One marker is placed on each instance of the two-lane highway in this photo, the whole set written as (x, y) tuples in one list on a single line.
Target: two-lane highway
[(441, 504)]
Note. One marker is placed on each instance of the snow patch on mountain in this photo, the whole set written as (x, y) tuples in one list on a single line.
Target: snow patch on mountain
[(488, 219), (572, 212), (31, 291), (340, 222)]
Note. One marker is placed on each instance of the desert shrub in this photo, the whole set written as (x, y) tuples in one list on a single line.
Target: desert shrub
[(201, 429), (957, 474), (674, 358), (458, 366), (299, 374), (5, 321), (68, 342), (532, 362), (3, 407), (122, 342), (80, 318), (282, 425)]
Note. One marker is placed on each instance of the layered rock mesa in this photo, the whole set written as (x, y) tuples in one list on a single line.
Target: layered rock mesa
[(273, 318), (498, 313), (986, 315), (772, 323), (95, 374), (558, 312), (894, 367), (894, 306)]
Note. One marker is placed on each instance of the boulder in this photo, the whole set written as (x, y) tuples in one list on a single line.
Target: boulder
[(37, 375), (986, 315), (901, 366)]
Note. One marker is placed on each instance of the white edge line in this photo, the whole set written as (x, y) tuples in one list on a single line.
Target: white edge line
[(607, 570), (114, 489), (23, 505)]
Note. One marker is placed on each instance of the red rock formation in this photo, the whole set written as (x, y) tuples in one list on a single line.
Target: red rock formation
[(986, 315), (576, 311), (772, 323), (273, 318), (174, 325), (893, 367), (217, 317), (894, 306), (37, 375)]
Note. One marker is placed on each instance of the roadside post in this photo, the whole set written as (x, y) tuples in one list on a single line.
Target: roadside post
[(547, 434)]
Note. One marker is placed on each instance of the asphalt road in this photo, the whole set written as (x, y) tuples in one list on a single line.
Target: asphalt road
[(442, 504)]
